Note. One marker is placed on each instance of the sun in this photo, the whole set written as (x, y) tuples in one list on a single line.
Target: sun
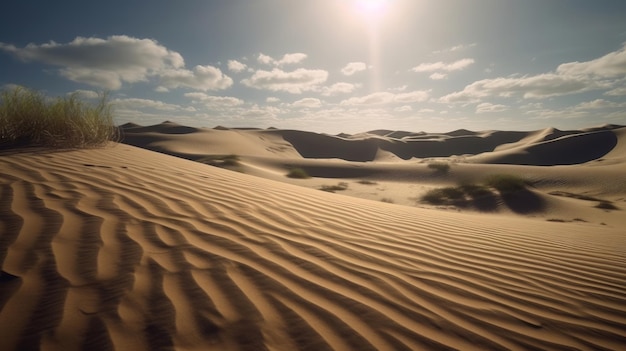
[(372, 9)]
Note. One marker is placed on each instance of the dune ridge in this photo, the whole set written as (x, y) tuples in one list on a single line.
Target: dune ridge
[(123, 248), (546, 147)]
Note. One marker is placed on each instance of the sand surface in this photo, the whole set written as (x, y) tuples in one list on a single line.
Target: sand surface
[(124, 248)]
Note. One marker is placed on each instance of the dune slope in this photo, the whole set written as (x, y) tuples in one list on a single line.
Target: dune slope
[(128, 249)]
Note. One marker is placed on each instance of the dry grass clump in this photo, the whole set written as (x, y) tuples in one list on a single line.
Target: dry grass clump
[(28, 118), (298, 173), (332, 188), (506, 183), (439, 167)]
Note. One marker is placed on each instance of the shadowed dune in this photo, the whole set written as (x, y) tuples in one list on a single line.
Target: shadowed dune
[(127, 249), (541, 148)]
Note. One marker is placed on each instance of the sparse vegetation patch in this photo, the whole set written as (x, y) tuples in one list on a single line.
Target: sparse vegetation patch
[(224, 161), (332, 188), (439, 167), (298, 173), (506, 183)]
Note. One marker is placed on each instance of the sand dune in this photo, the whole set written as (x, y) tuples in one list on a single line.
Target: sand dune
[(544, 147), (127, 249)]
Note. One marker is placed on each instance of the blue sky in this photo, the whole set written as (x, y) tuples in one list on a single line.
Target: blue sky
[(329, 65)]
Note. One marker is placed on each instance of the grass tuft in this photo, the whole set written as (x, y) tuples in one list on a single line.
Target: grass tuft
[(439, 167), (332, 188), (298, 173), (28, 118), (506, 183)]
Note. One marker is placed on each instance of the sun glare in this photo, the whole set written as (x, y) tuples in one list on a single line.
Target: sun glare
[(372, 9)]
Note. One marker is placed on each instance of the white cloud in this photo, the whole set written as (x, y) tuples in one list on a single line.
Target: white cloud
[(533, 87), (455, 48), (569, 78), (612, 65), (308, 103), (353, 67), (236, 66), (438, 76), (105, 63), (338, 88), (371, 99), (134, 103), (201, 78), (599, 104), (294, 82), (287, 59), (441, 66), (620, 91), (405, 108), (488, 107), (384, 97), (214, 101), (414, 96), (272, 100), (108, 63), (264, 59)]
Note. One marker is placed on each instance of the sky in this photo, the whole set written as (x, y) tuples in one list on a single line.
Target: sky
[(328, 65)]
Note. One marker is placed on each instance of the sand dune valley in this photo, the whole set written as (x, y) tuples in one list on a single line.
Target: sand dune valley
[(184, 238)]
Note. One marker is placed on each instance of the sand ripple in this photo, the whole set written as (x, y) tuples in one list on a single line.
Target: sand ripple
[(126, 249)]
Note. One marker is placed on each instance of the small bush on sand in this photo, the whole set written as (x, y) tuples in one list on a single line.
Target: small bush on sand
[(606, 205), (443, 196), (506, 183), (439, 167), (332, 188), (298, 173), (367, 182), (28, 118)]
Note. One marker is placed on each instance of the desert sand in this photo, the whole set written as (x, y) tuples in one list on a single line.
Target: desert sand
[(143, 246)]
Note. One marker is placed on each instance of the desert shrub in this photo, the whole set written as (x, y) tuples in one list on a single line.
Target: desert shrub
[(387, 200), (605, 205), (298, 173), (475, 191), (30, 118), (442, 196), (367, 182), (506, 183), (332, 188), (440, 167), (221, 160)]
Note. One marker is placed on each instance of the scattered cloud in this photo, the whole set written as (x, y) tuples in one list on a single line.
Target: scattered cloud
[(612, 65), (384, 97), (405, 108), (294, 82), (438, 76), (308, 103), (455, 48), (339, 88), (287, 59), (104, 63), (441, 66), (486, 107), (200, 78), (236, 66), (108, 63), (569, 78), (353, 67), (272, 100), (134, 103), (620, 91), (214, 101)]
